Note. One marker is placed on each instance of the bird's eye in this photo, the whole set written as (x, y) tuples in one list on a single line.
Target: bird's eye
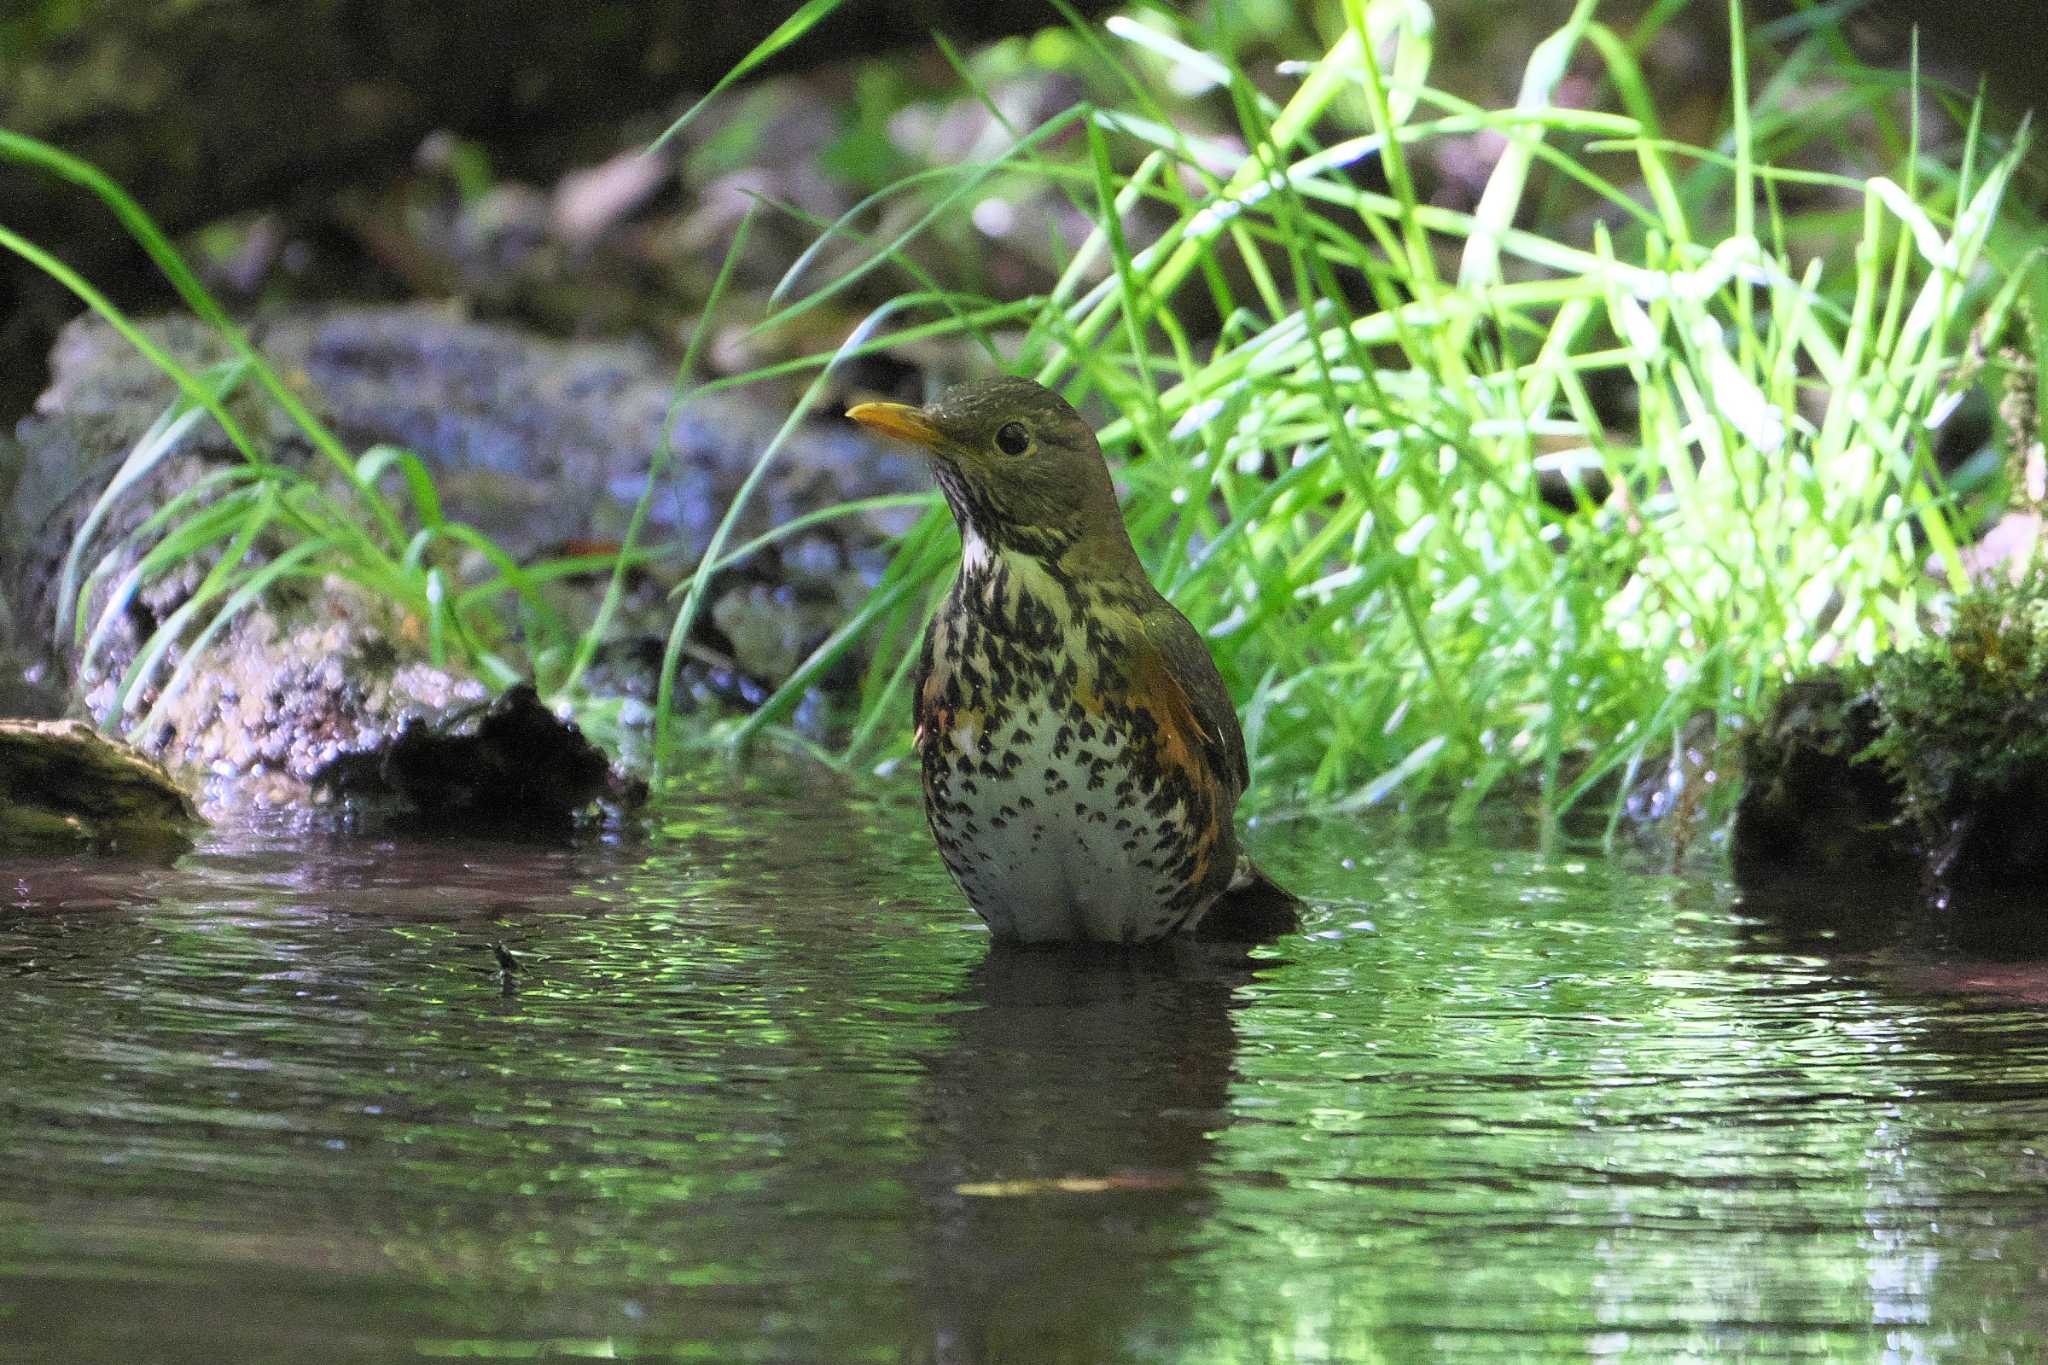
[(1012, 438)]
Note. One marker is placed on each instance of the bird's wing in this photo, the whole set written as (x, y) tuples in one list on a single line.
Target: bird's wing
[(1181, 664), (920, 678)]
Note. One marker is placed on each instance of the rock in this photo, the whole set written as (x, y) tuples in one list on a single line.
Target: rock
[(1811, 804), (1935, 758), (1965, 735), (24, 671), (535, 442), (294, 684), (134, 87), (509, 763), (773, 629), (64, 783)]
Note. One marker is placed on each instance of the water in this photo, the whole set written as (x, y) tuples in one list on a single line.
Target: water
[(758, 1093)]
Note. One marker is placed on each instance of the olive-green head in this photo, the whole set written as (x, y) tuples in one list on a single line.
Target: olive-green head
[(1020, 468)]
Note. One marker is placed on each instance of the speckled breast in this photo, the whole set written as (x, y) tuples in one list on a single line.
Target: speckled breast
[(1059, 806)]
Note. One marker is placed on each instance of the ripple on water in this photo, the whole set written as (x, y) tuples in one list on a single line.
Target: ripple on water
[(755, 1089)]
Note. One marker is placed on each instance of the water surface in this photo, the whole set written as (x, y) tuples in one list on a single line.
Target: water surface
[(758, 1092)]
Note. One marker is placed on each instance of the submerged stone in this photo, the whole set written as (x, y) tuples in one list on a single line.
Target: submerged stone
[(64, 783)]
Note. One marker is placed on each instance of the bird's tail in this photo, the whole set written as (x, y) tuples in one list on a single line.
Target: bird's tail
[(1253, 909)]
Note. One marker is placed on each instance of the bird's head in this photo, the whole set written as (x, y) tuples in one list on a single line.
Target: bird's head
[(1020, 468)]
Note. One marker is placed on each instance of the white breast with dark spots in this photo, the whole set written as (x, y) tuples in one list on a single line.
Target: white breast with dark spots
[(1050, 833)]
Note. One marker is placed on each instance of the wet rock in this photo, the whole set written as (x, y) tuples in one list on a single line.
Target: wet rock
[(64, 783), (1935, 758), (1965, 735), (1811, 803), (506, 763), (292, 685)]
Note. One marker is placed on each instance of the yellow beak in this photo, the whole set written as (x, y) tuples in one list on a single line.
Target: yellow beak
[(899, 421)]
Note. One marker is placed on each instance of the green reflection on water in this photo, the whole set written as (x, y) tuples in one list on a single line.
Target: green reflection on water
[(759, 1093)]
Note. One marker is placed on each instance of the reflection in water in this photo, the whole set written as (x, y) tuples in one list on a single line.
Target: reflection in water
[(1067, 1123), (758, 1092)]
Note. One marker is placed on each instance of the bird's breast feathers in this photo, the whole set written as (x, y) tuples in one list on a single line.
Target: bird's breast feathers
[(1015, 627), (1060, 753)]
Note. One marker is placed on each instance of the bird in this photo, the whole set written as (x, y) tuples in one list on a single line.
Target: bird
[(1081, 757)]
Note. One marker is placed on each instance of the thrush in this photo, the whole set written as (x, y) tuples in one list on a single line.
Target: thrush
[(1082, 760)]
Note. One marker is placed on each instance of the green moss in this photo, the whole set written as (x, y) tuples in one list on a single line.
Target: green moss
[(1967, 715), (1936, 755)]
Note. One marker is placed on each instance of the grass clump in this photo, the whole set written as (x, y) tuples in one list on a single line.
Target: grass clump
[(1352, 481)]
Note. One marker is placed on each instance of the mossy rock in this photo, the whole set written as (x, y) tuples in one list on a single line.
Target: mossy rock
[(64, 784), (1965, 736), (1933, 759), (1811, 804)]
